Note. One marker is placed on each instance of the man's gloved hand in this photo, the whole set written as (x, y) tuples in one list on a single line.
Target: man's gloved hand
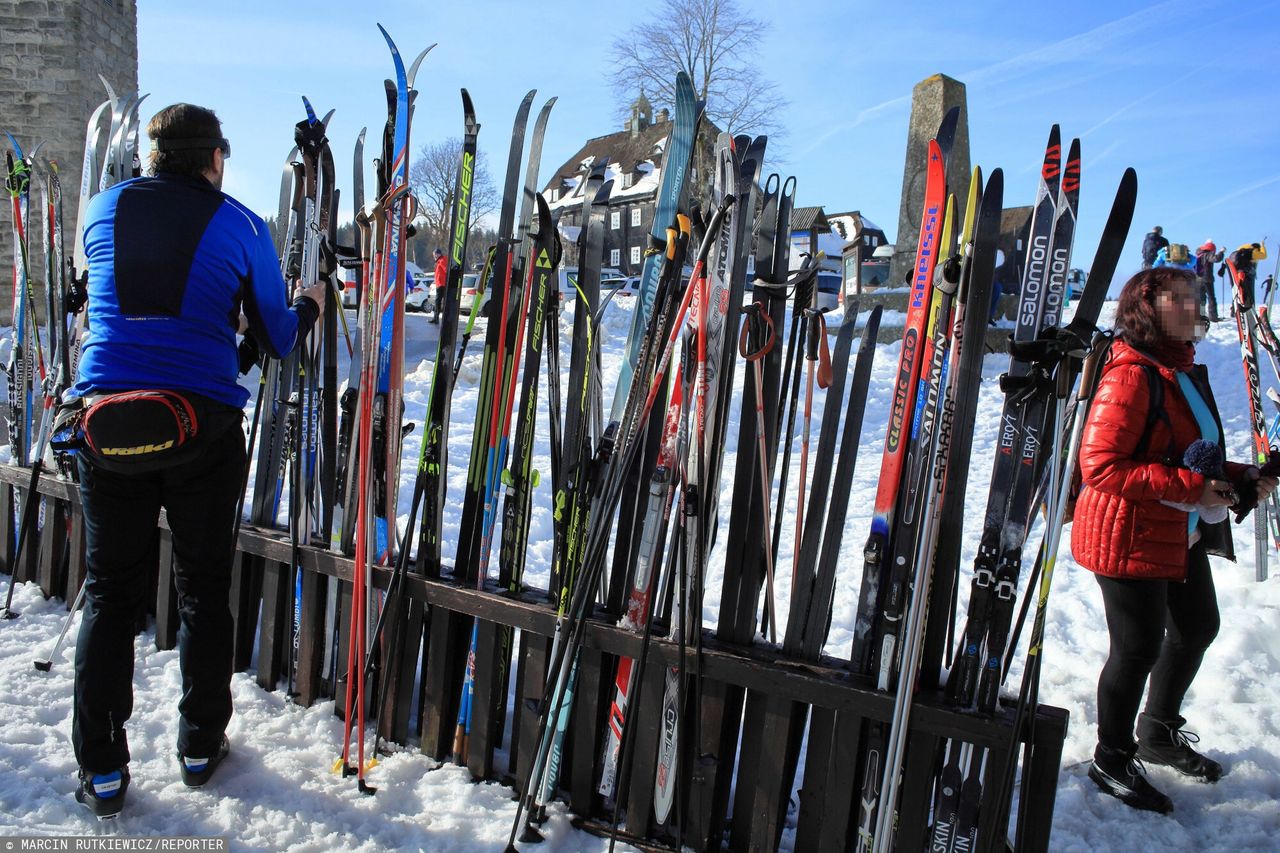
[(248, 352)]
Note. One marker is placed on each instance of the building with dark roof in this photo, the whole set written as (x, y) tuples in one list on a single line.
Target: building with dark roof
[(635, 158)]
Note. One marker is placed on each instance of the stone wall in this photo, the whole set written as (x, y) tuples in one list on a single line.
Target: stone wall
[(51, 53)]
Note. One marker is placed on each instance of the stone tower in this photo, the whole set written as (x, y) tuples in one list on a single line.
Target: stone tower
[(930, 100), (51, 53), (641, 115)]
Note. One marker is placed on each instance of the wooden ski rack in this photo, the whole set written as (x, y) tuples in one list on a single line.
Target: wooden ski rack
[(755, 742)]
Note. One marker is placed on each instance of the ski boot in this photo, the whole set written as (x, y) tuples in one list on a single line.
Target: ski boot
[(103, 793), (1165, 742), (1116, 772), (196, 771)]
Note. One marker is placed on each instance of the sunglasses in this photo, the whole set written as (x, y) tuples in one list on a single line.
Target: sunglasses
[(219, 142)]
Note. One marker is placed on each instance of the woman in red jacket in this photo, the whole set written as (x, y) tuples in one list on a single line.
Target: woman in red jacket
[(1145, 525)]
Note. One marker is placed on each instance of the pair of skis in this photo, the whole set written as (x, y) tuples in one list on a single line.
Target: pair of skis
[(379, 400), (1242, 269)]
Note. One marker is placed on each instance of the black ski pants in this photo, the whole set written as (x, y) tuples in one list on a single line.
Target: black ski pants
[(1209, 299), (121, 514), (1159, 629)]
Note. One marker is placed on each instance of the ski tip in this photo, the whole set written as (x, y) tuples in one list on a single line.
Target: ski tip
[(311, 113), (413, 69)]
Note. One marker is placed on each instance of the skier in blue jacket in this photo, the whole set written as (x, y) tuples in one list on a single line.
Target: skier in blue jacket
[(176, 268)]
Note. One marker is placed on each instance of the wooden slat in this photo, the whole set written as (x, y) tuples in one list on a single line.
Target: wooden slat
[(450, 638), (530, 685), (29, 559), (992, 817), (342, 624), (764, 781), (76, 556), (829, 787), (274, 624), (166, 597), (589, 713), (713, 772), (645, 714), (404, 624), (7, 522), (1040, 780), (246, 604), (49, 554), (916, 790)]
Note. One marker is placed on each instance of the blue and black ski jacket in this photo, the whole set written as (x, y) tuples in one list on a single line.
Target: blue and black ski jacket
[(173, 262)]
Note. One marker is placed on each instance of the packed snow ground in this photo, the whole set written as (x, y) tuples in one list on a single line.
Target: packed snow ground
[(277, 792)]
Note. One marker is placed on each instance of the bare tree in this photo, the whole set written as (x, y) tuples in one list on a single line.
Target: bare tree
[(714, 42), (433, 175)]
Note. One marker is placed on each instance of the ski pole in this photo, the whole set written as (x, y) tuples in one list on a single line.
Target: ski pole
[(759, 322), (45, 664)]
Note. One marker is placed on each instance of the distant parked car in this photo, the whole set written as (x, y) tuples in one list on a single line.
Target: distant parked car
[(569, 280), (470, 286), (828, 289), (422, 298), (626, 287), (1075, 282)]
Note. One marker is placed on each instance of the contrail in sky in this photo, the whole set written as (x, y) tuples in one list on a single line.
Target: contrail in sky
[(1076, 47), (1234, 194)]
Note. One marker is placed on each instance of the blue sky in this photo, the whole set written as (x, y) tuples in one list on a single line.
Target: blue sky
[(1183, 91)]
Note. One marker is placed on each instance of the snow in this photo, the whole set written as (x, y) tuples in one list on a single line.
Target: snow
[(276, 790)]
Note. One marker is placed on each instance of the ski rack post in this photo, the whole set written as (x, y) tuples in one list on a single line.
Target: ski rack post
[(838, 702)]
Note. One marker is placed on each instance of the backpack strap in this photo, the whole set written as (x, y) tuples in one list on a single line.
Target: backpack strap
[(1155, 412)]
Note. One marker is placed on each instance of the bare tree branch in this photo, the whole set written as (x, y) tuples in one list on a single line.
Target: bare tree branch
[(714, 42), (432, 175)]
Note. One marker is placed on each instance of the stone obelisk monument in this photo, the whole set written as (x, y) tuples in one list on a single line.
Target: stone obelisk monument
[(931, 98)]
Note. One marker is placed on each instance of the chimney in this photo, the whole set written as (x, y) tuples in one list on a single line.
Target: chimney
[(661, 116)]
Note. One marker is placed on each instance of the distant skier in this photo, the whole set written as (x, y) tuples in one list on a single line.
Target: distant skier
[(1151, 246), (441, 281), (173, 261), (1145, 523), (1206, 256)]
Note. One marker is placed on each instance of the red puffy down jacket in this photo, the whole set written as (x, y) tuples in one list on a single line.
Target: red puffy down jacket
[(1121, 529)]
